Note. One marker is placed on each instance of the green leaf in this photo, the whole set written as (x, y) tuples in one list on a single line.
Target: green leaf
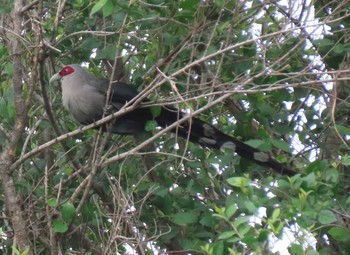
[(275, 214), (313, 252), (239, 221), (244, 229), (310, 180), (339, 48), (187, 243), (52, 202), (151, 125), (343, 130), (250, 206), (230, 211), (106, 53), (226, 235), (108, 9), (297, 249), (317, 165), (220, 210), (220, 3), (184, 218), (68, 171), (280, 144), (263, 235), (218, 248), (326, 217), (98, 6), (249, 239), (5, 9), (15, 250), (208, 221), (238, 182), (158, 190), (346, 160), (59, 226), (68, 212), (256, 143), (8, 69), (189, 4), (339, 234), (156, 110), (324, 42), (300, 92)]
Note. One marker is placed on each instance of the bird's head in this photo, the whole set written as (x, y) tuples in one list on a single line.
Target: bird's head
[(65, 71)]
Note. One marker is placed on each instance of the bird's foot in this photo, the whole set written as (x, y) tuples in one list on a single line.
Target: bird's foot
[(107, 110)]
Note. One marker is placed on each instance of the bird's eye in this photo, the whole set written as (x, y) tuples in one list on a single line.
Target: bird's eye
[(66, 70)]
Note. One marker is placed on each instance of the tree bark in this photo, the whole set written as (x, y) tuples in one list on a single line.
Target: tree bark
[(11, 197)]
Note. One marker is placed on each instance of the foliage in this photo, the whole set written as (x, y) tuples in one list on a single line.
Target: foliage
[(262, 72)]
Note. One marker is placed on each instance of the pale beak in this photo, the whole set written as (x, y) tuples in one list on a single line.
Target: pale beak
[(55, 77)]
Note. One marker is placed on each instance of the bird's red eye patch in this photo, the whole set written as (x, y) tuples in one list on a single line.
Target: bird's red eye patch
[(66, 70)]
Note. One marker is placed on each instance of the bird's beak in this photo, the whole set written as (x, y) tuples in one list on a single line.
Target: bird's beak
[(55, 77)]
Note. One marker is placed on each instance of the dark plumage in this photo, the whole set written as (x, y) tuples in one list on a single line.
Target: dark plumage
[(84, 95)]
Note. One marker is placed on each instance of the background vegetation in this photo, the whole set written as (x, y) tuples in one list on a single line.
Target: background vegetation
[(271, 73)]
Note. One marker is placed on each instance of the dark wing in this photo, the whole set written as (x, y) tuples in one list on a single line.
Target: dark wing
[(132, 122), (200, 132), (196, 130)]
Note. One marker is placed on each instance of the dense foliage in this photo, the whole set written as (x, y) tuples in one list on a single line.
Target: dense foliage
[(268, 73)]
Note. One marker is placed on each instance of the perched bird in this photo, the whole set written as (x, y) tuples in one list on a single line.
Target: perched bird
[(84, 95)]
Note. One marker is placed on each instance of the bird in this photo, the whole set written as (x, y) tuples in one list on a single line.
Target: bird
[(84, 96)]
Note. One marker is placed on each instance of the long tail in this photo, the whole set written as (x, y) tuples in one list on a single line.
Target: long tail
[(200, 132)]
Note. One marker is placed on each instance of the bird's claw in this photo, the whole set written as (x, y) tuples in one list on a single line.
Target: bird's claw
[(107, 109)]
